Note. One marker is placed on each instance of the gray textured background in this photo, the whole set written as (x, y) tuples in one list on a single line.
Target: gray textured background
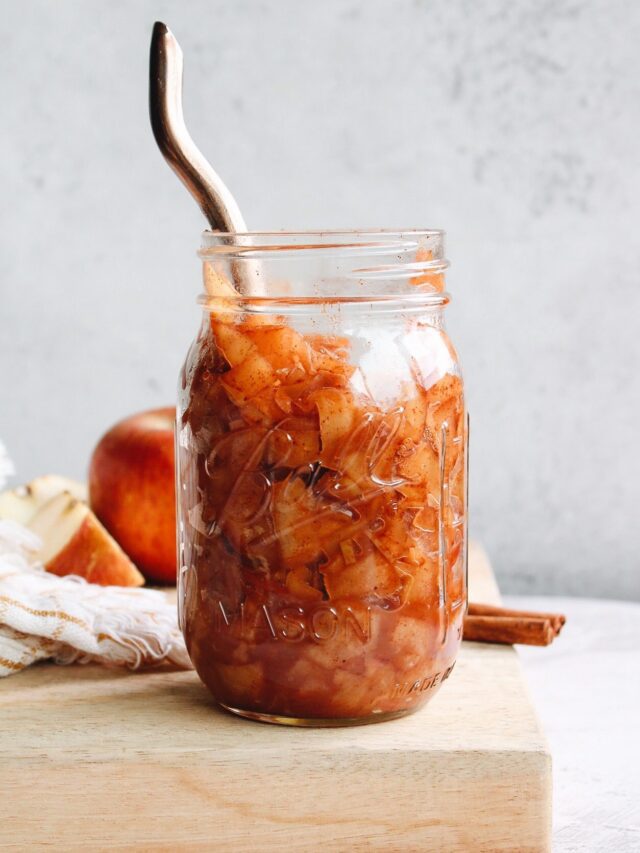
[(515, 126)]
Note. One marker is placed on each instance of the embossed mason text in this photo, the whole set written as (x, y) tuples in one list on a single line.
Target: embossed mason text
[(319, 623)]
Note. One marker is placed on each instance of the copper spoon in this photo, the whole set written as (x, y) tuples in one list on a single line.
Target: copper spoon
[(174, 140)]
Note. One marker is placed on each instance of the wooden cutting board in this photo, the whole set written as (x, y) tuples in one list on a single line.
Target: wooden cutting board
[(97, 759)]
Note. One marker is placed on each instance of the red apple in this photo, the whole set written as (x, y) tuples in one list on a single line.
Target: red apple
[(132, 490)]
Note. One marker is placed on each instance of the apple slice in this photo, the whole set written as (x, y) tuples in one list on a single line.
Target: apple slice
[(22, 503), (75, 543), (47, 487), (216, 283), (17, 505)]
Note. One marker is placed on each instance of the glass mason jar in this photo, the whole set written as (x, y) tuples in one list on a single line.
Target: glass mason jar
[(321, 452)]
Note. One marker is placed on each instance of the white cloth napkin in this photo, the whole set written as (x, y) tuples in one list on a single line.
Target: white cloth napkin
[(69, 620)]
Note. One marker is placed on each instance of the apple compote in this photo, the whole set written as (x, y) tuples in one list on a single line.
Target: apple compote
[(322, 477)]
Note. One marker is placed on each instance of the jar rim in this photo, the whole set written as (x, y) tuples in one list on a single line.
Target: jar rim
[(381, 303), (284, 232), (379, 266), (348, 241)]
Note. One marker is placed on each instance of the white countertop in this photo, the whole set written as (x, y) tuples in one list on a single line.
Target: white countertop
[(586, 687)]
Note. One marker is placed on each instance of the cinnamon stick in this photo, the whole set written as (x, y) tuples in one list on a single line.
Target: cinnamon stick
[(557, 619), (509, 630)]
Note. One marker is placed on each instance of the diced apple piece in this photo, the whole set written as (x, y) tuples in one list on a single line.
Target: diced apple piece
[(22, 503), (365, 457), (420, 465), (457, 480), (427, 519), (429, 280), (295, 514), (447, 413), (455, 540), (415, 416), (254, 415), (342, 487), (298, 583), (283, 401), (344, 629), (299, 389), (352, 693), (216, 284), (282, 346), (370, 577), (446, 408), (308, 525), (386, 439), (294, 443), (360, 571), (248, 378), (244, 681), (328, 363), (352, 462), (309, 678), (234, 450), (262, 408), (414, 641), (255, 320), (337, 415), (415, 493), (244, 519), (234, 345), (332, 344), (330, 354), (348, 547), (394, 539), (74, 542), (444, 389)]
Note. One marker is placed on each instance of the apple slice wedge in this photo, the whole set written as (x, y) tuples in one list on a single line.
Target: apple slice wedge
[(48, 486), (22, 503), (75, 543), (17, 505)]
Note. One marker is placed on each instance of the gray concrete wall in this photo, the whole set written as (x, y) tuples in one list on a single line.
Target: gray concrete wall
[(513, 125)]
